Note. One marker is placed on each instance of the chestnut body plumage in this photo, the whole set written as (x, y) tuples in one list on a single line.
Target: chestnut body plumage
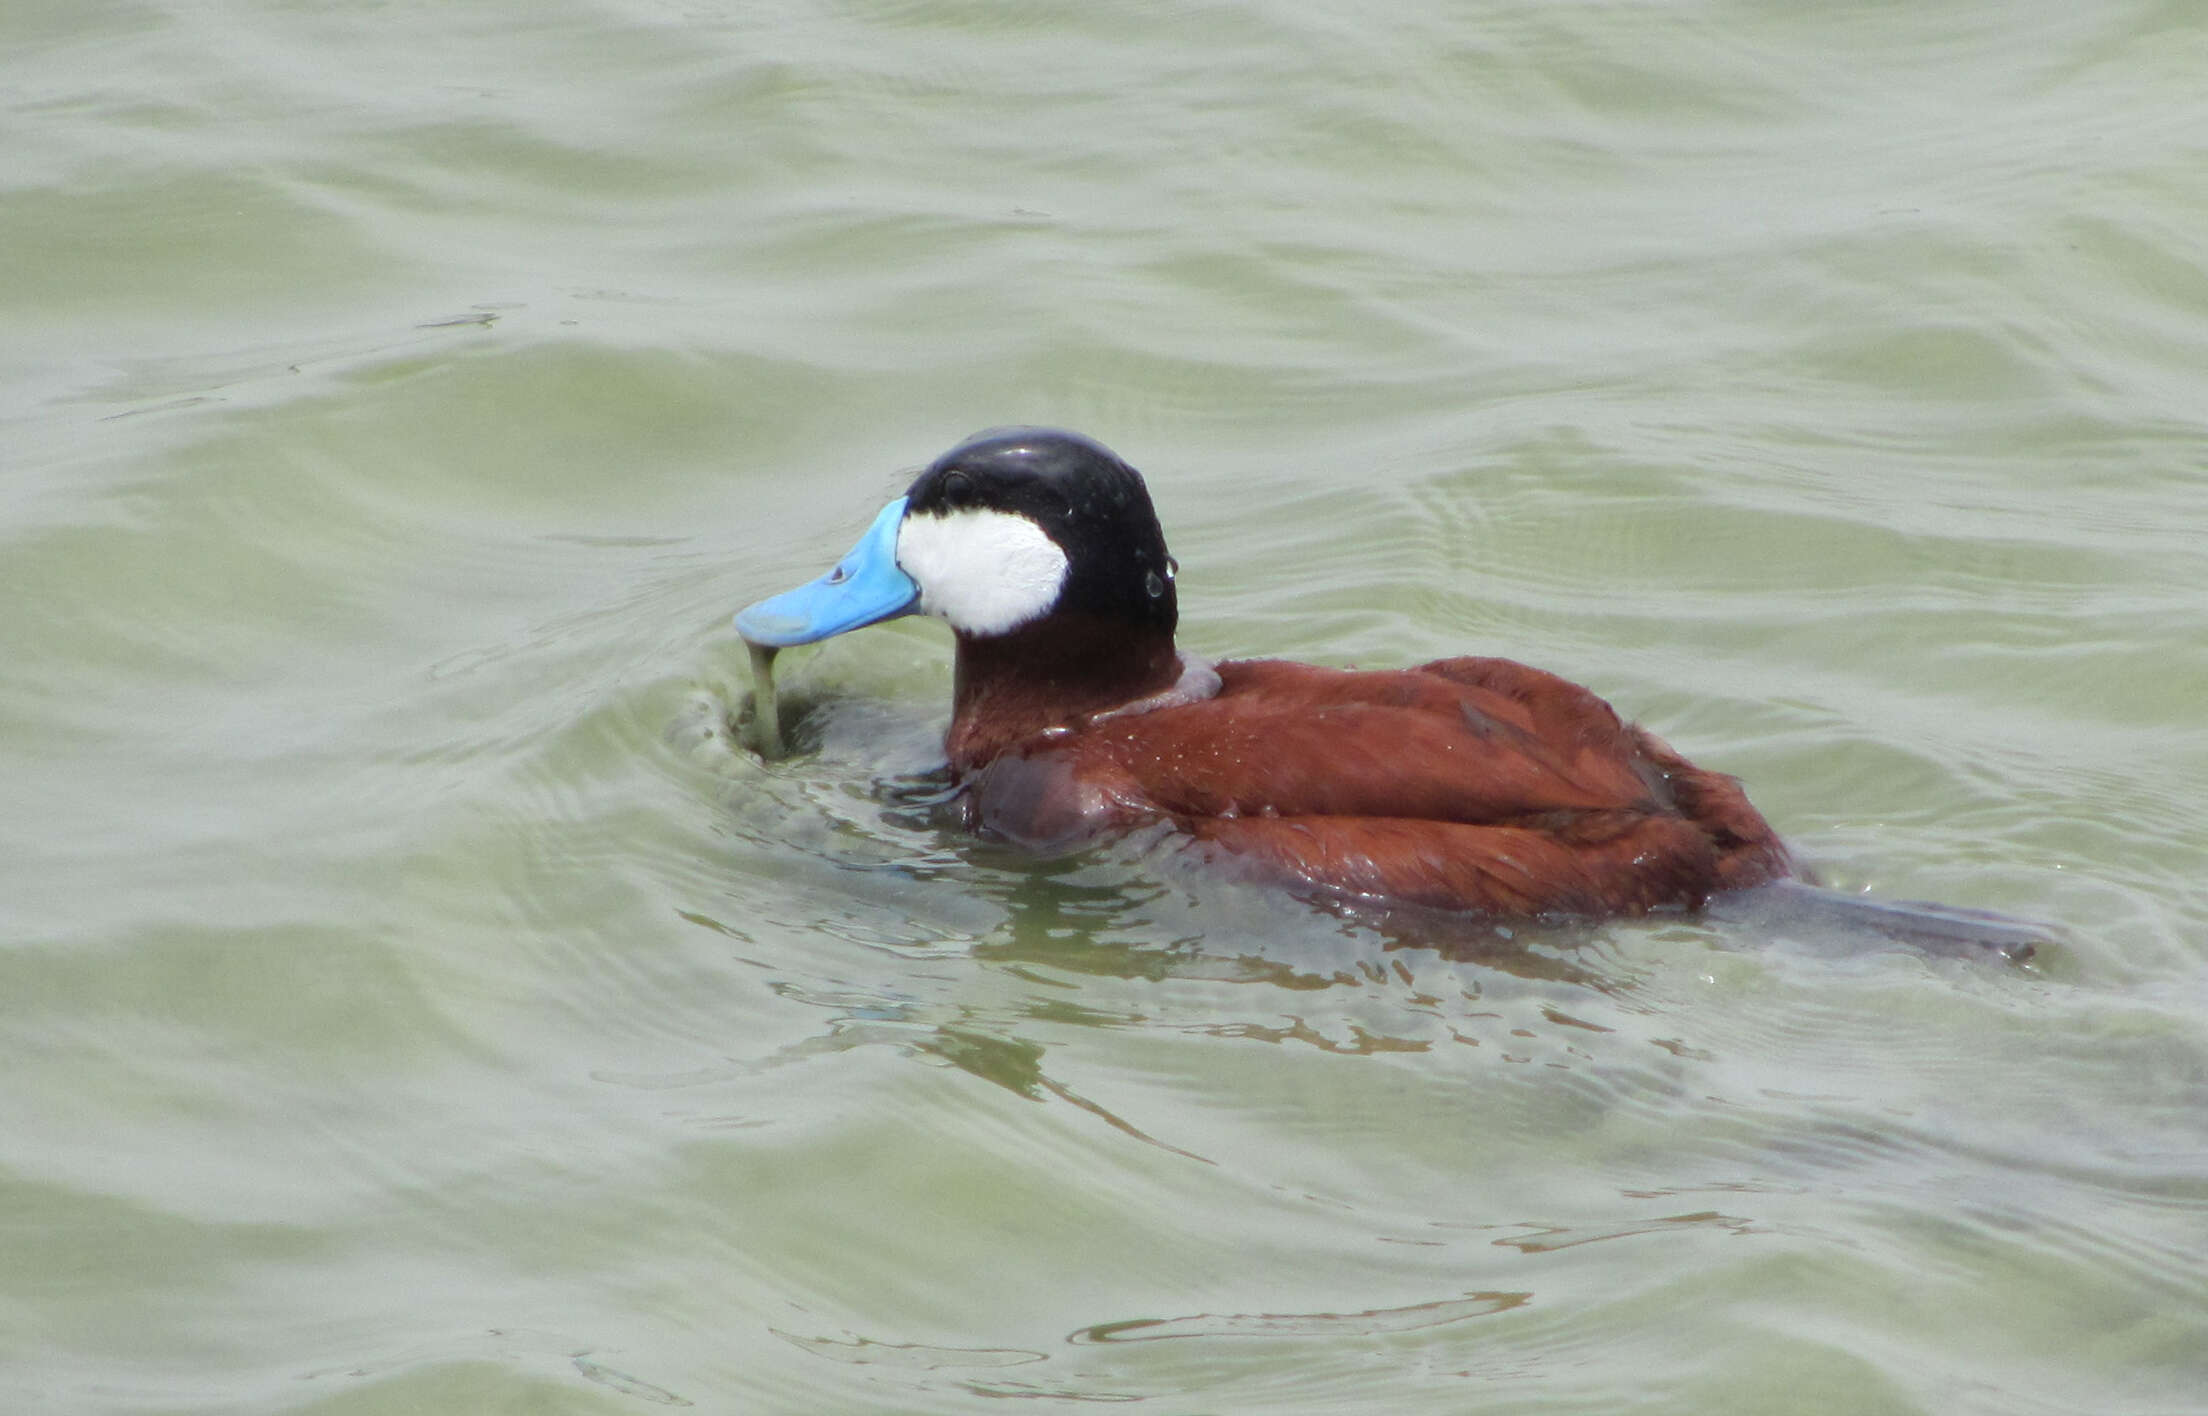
[(1470, 784), (1467, 784)]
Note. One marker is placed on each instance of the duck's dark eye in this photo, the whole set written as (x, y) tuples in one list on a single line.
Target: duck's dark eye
[(958, 488)]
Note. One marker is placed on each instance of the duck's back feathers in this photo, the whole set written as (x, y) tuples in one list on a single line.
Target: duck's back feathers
[(1472, 784)]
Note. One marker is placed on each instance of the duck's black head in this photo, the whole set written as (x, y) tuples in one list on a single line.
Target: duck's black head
[(1007, 529), (1018, 523)]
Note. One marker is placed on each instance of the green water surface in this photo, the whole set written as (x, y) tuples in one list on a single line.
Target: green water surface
[(412, 1002)]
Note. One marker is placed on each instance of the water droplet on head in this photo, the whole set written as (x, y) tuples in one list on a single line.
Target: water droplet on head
[(1151, 583)]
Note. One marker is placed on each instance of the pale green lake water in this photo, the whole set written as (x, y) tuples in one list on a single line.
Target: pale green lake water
[(411, 1004)]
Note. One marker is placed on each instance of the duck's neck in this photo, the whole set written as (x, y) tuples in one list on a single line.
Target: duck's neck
[(1009, 687)]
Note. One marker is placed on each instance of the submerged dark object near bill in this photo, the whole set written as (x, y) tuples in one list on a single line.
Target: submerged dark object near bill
[(763, 734)]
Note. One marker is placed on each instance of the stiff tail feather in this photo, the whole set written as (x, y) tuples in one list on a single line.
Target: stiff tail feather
[(1935, 929)]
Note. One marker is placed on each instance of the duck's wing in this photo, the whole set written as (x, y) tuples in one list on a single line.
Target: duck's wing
[(1614, 863), (1476, 784), (1476, 741)]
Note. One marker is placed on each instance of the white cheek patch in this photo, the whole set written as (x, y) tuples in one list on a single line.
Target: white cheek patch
[(985, 572)]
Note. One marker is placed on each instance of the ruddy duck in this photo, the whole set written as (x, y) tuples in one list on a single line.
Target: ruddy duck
[(1473, 785)]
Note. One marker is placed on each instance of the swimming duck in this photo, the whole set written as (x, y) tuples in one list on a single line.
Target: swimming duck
[(1474, 785)]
